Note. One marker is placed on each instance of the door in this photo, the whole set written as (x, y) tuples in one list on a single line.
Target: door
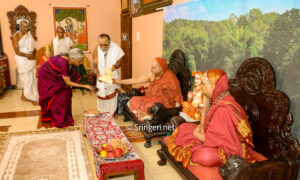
[(126, 36)]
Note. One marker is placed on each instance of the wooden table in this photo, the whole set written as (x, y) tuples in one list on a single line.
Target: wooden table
[(102, 130)]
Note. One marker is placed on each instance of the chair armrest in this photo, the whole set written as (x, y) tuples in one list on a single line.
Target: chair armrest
[(237, 168), (135, 92), (160, 114), (175, 121)]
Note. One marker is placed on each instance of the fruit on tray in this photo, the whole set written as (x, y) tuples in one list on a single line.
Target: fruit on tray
[(118, 143), (99, 149), (118, 152), (110, 155), (108, 148), (115, 149), (103, 153)]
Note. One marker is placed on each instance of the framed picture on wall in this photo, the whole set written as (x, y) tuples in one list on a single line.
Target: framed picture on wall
[(125, 5), (74, 22), (135, 8), (150, 6)]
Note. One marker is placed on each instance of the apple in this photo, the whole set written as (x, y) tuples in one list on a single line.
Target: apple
[(108, 148), (110, 155), (99, 149), (104, 145), (103, 153), (118, 152)]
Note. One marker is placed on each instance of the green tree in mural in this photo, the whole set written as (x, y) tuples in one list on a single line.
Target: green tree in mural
[(226, 44), (283, 40), (74, 13)]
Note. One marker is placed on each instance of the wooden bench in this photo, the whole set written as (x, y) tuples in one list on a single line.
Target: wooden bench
[(177, 65), (267, 109)]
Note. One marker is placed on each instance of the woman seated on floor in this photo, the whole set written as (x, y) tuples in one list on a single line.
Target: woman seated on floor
[(224, 129), (54, 88)]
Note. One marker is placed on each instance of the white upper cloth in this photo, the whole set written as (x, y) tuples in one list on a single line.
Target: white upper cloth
[(62, 46), (26, 45), (114, 53), (27, 68)]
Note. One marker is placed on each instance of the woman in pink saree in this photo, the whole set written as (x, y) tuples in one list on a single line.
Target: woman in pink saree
[(223, 131), (54, 88)]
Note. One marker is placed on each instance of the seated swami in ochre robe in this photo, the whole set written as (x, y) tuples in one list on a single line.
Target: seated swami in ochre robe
[(164, 88), (222, 132)]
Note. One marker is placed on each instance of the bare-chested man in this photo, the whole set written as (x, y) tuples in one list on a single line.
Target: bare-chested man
[(24, 46), (107, 55)]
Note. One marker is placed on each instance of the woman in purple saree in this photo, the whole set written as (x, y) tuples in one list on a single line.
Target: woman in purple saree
[(54, 88)]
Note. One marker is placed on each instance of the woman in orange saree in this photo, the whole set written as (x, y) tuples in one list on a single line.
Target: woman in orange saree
[(223, 131)]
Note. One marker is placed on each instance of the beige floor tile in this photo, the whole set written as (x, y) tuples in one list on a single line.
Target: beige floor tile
[(146, 152), (78, 119), (167, 176), (6, 122), (131, 177), (153, 168), (147, 175), (120, 120), (11, 102), (11, 108), (24, 123)]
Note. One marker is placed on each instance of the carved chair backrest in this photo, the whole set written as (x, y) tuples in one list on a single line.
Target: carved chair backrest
[(177, 65), (19, 14), (267, 109)]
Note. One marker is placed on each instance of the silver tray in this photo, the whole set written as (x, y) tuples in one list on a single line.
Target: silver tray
[(86, 114)]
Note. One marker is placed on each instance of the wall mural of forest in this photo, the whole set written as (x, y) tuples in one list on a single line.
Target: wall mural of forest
[(222, 34)]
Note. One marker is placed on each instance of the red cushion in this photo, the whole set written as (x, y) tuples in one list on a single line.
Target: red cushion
[(212, 173), (205, 173)]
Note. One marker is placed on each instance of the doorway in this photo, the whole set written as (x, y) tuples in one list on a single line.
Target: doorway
[(126, 45)]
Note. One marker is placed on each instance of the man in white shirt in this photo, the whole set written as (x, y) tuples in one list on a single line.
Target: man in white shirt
[(61, 44), (106, 55), (24, 46)]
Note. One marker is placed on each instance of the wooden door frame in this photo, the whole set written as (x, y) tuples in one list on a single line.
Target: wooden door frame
[(130, 40)]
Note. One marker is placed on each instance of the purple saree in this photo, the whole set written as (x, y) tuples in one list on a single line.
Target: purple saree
[(55, 96)]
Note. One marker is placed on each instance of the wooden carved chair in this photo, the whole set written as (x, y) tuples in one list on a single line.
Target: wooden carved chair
[(161, 115), (267, 109), (19, 14)]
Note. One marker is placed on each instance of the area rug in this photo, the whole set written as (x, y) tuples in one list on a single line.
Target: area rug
[(56, 154), (133, 134)]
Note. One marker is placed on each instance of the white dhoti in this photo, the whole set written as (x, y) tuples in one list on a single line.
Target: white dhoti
[(108, 93), (109, 104), (27, 68)]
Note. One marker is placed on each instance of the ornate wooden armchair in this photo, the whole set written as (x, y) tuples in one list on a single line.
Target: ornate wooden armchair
[(161, 115), (19, 14), (268, 112)]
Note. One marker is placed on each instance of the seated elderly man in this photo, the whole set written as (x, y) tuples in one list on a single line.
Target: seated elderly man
[(164, 88)]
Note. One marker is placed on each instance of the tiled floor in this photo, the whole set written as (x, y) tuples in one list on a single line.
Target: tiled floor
[(11, 102)]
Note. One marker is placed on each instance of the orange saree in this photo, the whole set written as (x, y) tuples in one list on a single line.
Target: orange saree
[(227, 132)]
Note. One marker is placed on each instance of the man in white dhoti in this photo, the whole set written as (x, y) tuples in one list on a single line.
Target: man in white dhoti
[(106, 55), (24, 46), (61, 44)]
